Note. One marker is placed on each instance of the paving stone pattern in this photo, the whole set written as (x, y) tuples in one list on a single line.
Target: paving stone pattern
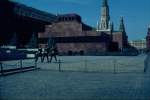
[(45, 84)]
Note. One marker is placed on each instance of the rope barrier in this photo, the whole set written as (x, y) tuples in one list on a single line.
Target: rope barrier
[(27, 63), (11, 64), (129, 64), (18, 66), (87, 64), (102, 63)]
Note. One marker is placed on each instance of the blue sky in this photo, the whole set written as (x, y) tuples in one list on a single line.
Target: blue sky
[(136, 13)]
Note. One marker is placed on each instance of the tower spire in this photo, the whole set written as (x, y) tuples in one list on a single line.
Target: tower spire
[(105, 18), (105, 4), (122, 26)]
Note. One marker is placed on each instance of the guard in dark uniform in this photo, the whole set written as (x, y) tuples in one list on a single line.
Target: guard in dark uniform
[(38, 54), (54, 52), (46, 54)]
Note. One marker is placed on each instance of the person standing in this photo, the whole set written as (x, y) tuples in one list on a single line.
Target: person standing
[(54, 52), (46, 54), (38, 54)]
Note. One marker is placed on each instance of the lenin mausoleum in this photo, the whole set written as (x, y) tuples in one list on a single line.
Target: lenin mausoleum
[(72, 36)]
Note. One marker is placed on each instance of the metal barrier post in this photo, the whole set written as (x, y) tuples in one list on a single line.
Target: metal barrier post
[(85, 65), (21, 64), (114, 61), (145, 64), (35, 64), (1, 68), (59, 62)]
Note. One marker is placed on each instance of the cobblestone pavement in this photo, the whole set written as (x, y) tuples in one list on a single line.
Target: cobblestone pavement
[(46, 84)]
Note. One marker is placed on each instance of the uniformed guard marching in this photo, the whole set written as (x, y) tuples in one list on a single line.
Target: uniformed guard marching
[(54, 52), (38, 54), (46, 54)]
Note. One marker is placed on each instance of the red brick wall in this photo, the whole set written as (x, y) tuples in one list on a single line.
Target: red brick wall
[(91, 33), (62, 29), (148, 39), (117, 37), (148, 42), (64, 48)]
